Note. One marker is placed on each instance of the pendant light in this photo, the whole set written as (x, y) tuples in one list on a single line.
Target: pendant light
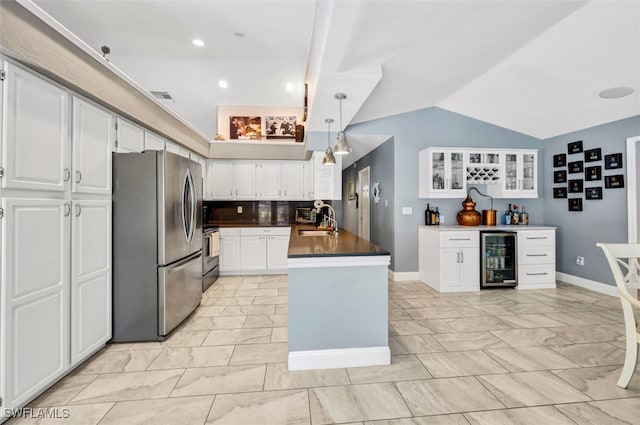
[(342, 146), (329, 159)]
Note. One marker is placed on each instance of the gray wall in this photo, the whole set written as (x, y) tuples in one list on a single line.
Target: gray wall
[(381, 164), (600, 221), (414, 131), (638, 192)]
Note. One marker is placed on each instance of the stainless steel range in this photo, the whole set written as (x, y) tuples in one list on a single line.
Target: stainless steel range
[(210, 256), (157, 243)]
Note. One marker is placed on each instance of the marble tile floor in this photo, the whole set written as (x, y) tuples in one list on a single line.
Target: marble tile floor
[(492, 357)]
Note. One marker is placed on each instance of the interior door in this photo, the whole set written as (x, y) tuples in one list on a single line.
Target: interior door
[(365, 204), (35, 297)]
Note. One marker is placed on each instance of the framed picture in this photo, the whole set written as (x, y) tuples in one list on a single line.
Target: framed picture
[(614, 182), (613, 161), (559, 192), (593, 173), (593, 193), (576, 167), (576, 186), (560, 176), (592, 155), (574, 147), (281, 127), (351, 194), (245, 128), (575, 204), (560, 160)]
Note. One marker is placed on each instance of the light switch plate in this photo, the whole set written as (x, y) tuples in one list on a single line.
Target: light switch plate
[(239, 209), (407, 210)]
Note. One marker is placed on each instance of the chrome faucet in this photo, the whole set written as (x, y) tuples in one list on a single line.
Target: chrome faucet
[(318, 204)]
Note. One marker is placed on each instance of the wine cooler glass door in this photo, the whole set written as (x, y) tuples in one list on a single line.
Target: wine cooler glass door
[(499, 259)]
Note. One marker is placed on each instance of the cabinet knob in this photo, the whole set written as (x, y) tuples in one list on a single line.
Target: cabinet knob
[(78, 176), (67, 209), (78, 210), (67, 174)]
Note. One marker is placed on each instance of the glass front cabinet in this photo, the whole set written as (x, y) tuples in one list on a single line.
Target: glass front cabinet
[(519, 175), (442, 173)]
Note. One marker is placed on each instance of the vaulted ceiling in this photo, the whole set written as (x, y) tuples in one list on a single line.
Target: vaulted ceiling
[(531, 66)]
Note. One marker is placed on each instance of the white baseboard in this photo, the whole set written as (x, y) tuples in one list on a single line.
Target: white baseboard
[(600, 287), (252, 272), (402, 276), (339, 358)]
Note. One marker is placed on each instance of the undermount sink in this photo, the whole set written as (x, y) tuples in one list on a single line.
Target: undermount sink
[(315, 232)]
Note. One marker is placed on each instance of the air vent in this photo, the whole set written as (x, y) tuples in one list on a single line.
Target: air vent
[(162, 95)]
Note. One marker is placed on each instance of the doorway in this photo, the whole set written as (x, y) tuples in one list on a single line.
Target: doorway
[(633, 188), (364, 210)]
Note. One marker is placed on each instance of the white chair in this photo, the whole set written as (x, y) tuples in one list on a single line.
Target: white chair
[(624, 260)]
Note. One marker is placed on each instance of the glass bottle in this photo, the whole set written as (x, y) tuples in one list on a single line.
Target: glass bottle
[(524, 216), (515, 215), (507, 215), (437, 217), (427, 216)]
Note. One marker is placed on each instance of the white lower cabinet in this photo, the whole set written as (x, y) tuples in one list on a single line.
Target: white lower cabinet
[(251, 250), (449, 261), (536, 259), (90, 277), (35, 297)]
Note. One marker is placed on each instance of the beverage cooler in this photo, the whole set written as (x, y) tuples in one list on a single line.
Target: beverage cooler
[(498, 260)]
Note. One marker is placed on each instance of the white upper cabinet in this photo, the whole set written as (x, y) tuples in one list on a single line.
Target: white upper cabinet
[(244, 180), (442, 173), (130, 137), (307, 180), (269, 180), (519, 175), (36, 137), (327, 179), (178, 150), (153, 142), (293, 180), (93, 135), (219, 183)]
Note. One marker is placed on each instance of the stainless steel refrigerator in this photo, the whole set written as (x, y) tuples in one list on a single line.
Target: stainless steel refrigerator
[(157, 243)]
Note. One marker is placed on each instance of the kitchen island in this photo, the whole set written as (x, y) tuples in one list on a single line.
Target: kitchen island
[(338, 301)]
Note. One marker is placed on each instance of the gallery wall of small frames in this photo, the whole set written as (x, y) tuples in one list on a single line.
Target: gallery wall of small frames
[(580, 171)]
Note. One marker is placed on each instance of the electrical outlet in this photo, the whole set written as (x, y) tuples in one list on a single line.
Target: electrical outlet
[(441, 218), (239, 209), (580, 261)]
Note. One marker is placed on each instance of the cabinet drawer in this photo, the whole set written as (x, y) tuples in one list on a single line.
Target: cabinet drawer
[(543, 273), (265, 231), (459, 239), (537, 255), (534, 238), (229, 231)]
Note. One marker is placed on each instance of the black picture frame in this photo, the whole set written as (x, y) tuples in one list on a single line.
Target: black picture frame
[(593, 193), (613, 161), (614, 182), (593, 155), (576, 167), (559, 192), (560, 160), (576, 186), (575, 204), (560, 176), (574, 147), (593, 173)]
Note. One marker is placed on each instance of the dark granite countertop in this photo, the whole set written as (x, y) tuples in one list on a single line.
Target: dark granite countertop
[(346, 244), (254, 224)]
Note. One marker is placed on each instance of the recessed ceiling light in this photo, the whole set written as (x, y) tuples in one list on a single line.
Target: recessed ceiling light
[(223, 84), (615, 92), (239, 34), (290, 86), (197, 42)]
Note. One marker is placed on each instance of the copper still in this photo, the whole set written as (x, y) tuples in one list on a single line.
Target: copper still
[(468, 216)]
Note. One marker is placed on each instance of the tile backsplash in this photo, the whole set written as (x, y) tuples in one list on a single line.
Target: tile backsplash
[(253, 212)]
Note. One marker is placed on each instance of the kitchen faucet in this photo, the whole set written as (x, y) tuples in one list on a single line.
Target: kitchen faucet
[(318, 204)]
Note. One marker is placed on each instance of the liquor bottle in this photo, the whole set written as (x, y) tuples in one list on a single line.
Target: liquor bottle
[(437, 217), (524, 216), (507, 215), (433, 216), (427, 216), (515, 215)]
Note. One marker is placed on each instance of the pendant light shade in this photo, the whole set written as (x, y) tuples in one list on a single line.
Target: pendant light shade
[(328, 159), (342, 146)]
